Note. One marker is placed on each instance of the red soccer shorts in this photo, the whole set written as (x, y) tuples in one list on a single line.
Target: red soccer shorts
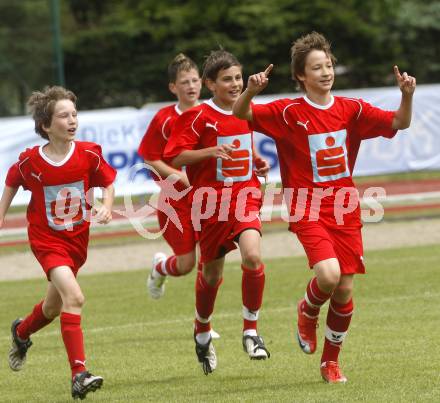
[(321, 243), (53, 250), (181, 241), (217, 238)]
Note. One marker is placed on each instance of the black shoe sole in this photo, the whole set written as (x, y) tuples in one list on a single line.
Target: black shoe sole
[(92, 387)]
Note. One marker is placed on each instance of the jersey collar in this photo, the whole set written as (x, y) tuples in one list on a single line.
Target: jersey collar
[(60, 163), (211, 103), (311, 103)]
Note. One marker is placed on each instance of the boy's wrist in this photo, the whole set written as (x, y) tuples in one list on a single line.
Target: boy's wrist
[(249, 93)]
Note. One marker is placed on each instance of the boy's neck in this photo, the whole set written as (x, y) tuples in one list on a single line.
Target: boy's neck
[(319, 98), (185, 106), (222, 105), (57, 150)]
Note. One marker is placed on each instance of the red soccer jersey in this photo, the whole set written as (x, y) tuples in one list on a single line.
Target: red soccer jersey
[(156, 137), (318, 145), (207, 125), (59, 200)]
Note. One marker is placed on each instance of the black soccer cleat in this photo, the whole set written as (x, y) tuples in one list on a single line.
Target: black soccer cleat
[(19, 348), (83, 383)]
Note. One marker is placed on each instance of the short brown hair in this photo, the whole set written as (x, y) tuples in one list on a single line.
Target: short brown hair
[(216, 61), (302, 47), (41, 105), (180, 63)]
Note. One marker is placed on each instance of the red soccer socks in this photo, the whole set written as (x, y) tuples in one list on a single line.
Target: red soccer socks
[(73, 341), (33, 322), (252, 287)]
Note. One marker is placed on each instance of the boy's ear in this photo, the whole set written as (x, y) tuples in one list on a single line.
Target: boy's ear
[(45, 128), (172, 88), (300, 77), (210, 84)]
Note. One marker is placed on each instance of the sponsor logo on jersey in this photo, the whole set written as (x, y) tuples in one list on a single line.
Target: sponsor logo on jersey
[(65, 205), (328, 153), (239, 168)]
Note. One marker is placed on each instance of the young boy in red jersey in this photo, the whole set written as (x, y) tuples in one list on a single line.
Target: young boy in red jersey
[(185, 84), (60, 175), (318, 138), (217, 149)]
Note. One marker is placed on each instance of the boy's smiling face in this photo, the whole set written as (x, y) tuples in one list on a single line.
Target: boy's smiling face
[(227, 86), (318, 74)]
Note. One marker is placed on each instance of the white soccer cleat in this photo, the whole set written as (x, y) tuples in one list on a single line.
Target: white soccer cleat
[(156, 281), (206, 356), (254, 346), (214, 334)]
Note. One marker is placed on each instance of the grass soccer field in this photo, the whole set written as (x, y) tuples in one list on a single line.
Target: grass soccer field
[(145, 351)]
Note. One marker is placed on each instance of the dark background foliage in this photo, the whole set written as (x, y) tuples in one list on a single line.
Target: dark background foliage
[(116, 51)]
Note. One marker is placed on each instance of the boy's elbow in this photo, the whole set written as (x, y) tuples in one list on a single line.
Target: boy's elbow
[(401, 124)]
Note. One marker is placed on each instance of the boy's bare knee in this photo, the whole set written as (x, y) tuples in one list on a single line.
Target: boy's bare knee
[(251, 260), (186, 266), (343, 293), (76, 300), (52, 311), (185, 263), (212, 277), (328, 281)]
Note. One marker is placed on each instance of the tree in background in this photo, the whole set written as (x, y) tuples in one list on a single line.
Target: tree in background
[(116, 51), (25, 52)]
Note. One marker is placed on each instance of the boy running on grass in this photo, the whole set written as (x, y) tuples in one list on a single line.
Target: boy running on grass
[(217, 149), (59, 175), (318, 138), (185, 84)]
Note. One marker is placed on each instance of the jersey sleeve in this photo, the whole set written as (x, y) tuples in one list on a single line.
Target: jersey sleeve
[(14, 179), (268, 119), (101, 173), (185, 134), (154, 141), (374, 122), (15, 176)]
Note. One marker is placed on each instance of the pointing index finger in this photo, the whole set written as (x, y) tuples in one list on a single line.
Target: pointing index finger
[(268, 69), (397, 72)]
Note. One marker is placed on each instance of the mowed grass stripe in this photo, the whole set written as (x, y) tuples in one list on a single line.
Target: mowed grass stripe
[(144, 348)]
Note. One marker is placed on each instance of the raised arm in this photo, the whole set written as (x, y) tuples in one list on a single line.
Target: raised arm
[(6, 200), (407, 85), (256, 83)]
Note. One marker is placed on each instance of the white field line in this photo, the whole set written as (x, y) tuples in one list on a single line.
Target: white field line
[(188, 320)]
